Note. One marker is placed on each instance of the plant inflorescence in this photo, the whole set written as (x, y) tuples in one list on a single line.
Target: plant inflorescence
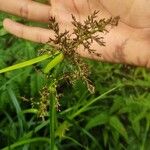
[(83, 34)]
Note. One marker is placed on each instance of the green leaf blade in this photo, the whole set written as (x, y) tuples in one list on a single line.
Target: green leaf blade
[(26, 63), (100, 119), (118, 126)]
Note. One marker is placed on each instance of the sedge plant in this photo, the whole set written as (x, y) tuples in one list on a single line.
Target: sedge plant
[(63, 47)]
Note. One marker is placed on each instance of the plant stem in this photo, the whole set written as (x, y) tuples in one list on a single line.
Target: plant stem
[(52, 89), (52, 117)]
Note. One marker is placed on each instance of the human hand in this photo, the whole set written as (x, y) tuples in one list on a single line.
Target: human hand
[(129, 42)]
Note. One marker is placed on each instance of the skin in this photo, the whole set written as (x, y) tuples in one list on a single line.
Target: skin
[(127, 43)]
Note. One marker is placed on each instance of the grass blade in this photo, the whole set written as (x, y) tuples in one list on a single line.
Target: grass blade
[(118, 126), (38, 128), (93, 101), (23, 142), (98, 120), (26, 63), (54, 62), (20, 115)]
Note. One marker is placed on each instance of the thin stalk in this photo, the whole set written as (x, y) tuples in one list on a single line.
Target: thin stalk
[(52, 109), (52, 114)]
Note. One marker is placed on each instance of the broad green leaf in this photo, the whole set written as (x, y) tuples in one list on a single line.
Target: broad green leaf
[(118, 126), (98, 120)]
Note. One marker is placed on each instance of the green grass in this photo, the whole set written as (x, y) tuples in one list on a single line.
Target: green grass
[(116, 117)]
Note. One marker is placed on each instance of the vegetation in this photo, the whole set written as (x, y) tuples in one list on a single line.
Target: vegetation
[(115, 117)]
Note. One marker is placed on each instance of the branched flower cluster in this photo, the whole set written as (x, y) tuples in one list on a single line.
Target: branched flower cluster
[(43, 102), (83, 34)]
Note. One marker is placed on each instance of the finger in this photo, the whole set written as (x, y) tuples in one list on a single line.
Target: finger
[(26, 8), (35, 34), (123, 45)]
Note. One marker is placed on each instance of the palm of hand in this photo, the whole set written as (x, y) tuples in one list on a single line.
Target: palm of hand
[(128, 43), (133, 13)]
